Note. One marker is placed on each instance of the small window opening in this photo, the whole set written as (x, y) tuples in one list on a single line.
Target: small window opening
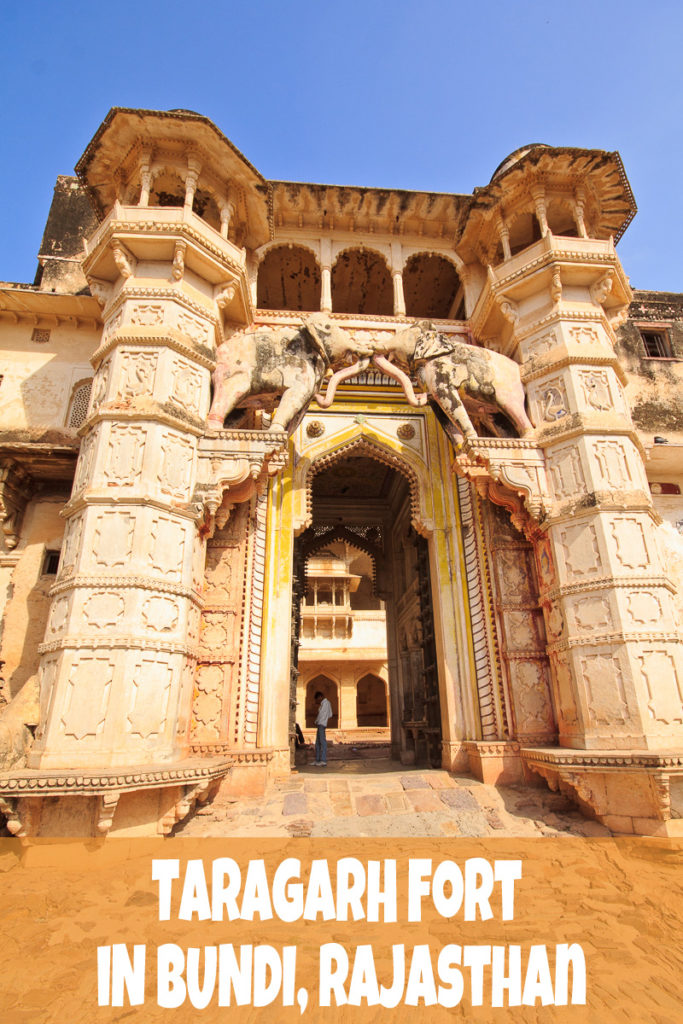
[(657, 344), (51, 563), (41, 337)]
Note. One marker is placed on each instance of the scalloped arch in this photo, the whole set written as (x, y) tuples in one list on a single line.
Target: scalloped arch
[(265, 250), (343, 534), (451, 258), (361, 445), (362, 248)]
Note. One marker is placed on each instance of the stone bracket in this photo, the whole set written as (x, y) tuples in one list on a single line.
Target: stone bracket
[(234, 465), (514, 463), (16, 488)]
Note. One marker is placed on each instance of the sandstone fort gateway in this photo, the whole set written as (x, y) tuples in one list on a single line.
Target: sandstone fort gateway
[(419, 452)]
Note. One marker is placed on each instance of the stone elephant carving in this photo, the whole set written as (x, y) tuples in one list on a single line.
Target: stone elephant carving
[(254, 367), (463, 379)]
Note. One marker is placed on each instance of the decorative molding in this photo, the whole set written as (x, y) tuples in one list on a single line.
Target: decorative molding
[(552, 366), (595, 639), (106, 235), (603, 760), (97, 641), (237, 756), (33, 782), (608, 583), (255, 628), (234, 464), (485, 675), (157, 414), (123, 582), (180, 510)]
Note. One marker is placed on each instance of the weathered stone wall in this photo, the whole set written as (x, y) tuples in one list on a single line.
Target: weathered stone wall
[(654, 385), (71, 219), (38, 378), (25, 615)]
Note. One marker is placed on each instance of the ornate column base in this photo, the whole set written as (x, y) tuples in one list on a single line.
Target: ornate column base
[(495, 762), (454, 756), (632, 792)]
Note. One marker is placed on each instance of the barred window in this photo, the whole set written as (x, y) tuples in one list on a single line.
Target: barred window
[(80, 400), (657, 344), (51, 563)]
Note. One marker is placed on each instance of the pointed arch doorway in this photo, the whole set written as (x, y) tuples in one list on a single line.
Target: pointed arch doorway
[(374, 625), (380, 478)]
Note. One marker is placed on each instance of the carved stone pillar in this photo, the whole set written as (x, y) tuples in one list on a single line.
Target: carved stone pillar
[(504, 234), (145, 178), (610, 617), (227, 211), (326, 276), (326, 290), (119, 654), (399, 300), (191, 180), (397, 277)]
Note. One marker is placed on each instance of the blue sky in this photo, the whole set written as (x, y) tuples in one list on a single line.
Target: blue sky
[(426, 95)]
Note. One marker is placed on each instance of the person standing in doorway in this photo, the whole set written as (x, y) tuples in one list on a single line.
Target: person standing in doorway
[(323, 717)]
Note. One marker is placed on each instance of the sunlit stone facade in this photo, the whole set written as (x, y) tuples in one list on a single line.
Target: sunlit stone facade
[(218, 382)]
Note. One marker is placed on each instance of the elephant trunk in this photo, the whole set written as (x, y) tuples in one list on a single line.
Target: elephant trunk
[(326, 400), (382, 363)]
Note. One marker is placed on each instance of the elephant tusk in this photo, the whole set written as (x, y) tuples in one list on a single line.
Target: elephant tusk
[(326, 400), (382, 363)]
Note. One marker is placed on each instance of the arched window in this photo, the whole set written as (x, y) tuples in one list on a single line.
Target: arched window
[(371, 702), (78, 406), (560, 217), (361, 283), (524, 231), (168, 189), (328, 688), (431, 288), (289, 278)]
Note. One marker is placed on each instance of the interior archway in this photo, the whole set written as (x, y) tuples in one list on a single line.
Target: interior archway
[(328, 688), (356, 495), (289, 278), (361, 283), (371, 702), (432, 288)]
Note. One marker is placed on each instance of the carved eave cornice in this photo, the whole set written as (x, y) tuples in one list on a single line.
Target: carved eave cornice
[(599, 176), (434, 216), (24, 304), (183, 133)]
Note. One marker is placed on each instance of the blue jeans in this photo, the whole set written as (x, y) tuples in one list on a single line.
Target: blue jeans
[(321, 744)]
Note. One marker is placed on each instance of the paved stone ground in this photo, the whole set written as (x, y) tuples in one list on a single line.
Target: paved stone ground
[(371, 797)]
